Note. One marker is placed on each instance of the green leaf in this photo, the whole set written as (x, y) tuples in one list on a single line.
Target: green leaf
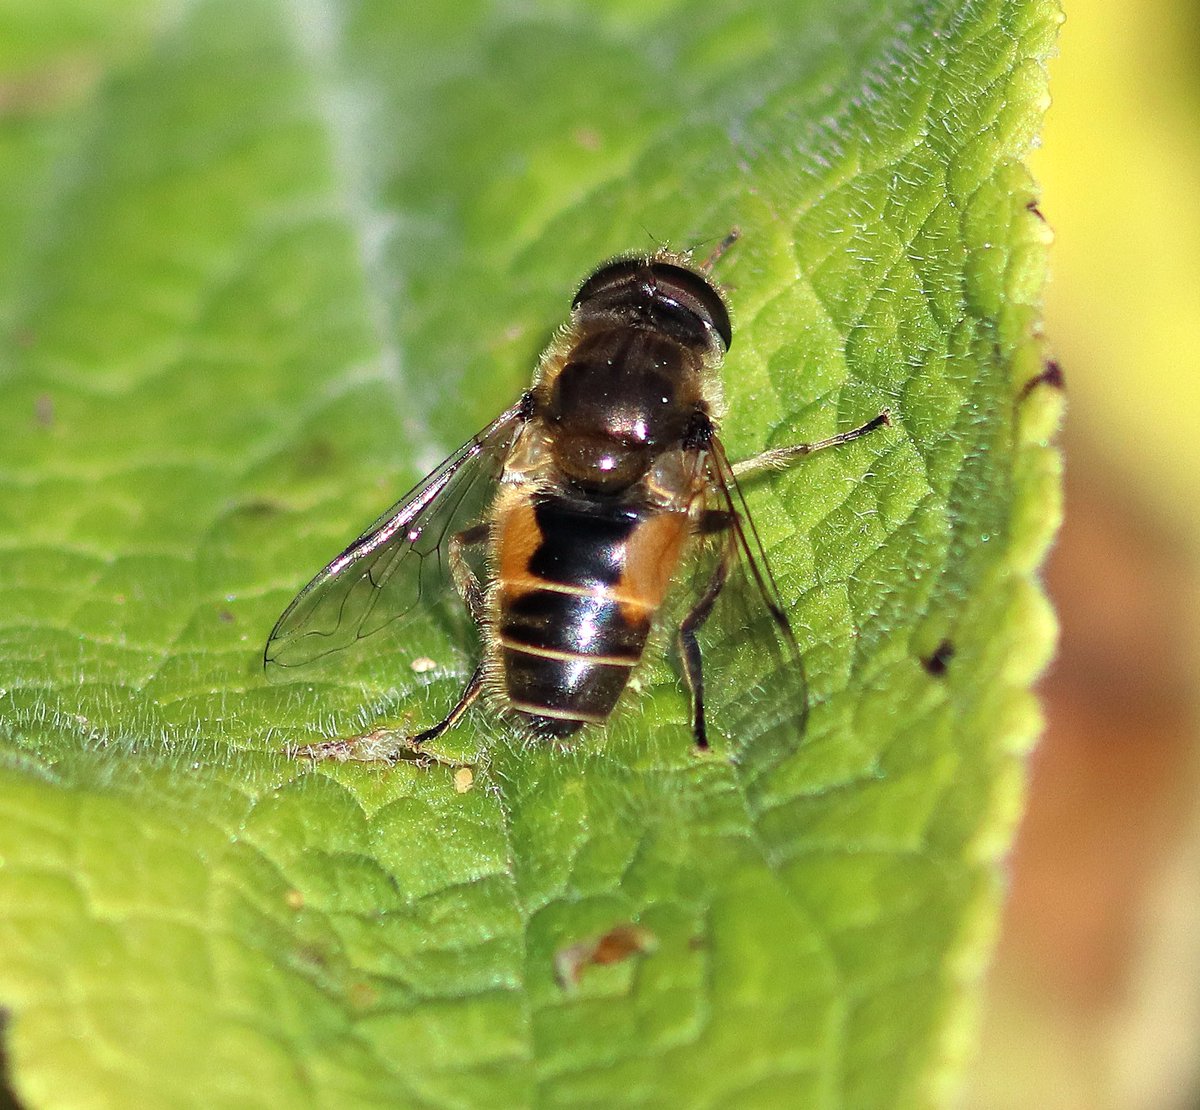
[(265, 263)]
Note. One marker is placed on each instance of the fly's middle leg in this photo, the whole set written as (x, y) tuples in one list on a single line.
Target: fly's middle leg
[(465, 582), (689, 646), (471, 592), (779, 458)]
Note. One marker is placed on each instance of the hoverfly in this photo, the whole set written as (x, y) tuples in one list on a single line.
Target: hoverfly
[(585, 499)]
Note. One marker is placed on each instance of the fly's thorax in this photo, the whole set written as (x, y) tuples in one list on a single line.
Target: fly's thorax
[(628, 375), (621, 396)]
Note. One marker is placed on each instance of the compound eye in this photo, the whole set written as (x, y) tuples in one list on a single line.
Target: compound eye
[(693, 291), (682, 299), (609, 276)]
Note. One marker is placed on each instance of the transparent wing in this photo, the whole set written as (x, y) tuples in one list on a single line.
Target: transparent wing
[(400, 562), (752, 664)]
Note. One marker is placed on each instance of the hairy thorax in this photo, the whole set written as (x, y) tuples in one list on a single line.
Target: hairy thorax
[(625, 395)]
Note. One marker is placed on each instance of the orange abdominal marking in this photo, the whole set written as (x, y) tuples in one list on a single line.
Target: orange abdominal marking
[(651, 559)]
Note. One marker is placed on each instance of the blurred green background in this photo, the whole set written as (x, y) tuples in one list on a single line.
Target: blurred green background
[(1094, 998)]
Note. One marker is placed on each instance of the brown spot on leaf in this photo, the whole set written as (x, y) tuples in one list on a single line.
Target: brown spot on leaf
[(362, 996), (40, 92), (259, 507), (314, 457), (43, 410), (620, 943), (938, 661), (1051, 377), (588, 138)]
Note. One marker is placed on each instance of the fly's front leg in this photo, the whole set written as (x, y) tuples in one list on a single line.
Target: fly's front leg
[(706, 267), (471, 592), (712, 521), (780, 458)]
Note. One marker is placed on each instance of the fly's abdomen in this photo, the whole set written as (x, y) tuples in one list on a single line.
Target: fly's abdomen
[(567, 657), (579, 585)]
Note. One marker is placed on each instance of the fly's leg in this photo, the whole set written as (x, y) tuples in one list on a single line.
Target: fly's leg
[(464, 578), (689, 647), (455, 715), (779, 458), (714, 257), (715, 521), (471, 592)]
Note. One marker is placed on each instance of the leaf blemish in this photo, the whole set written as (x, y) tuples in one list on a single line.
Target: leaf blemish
[(1051, 376), (617, 945), (938, 661), (43, 410), (314, 457), (259, 507)]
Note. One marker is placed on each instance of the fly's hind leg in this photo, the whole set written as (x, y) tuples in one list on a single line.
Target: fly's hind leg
[(471, 592), (780, 458), (474, 686), (689, 647)]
